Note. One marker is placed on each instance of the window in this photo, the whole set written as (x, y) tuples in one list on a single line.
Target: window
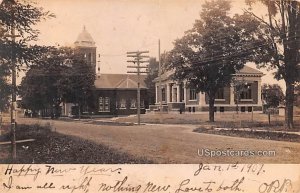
[(142, 104), (123, 104), (89, 58), (220, 93), (193, 94), (133, 104), (222, 109), (175, 95), (104, 104), (243, 109), (163, 94), (246, 92), (101, 109), (249, 109)]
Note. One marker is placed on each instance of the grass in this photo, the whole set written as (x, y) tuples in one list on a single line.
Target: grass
[(279, 136), (228, 120), (52, 147)]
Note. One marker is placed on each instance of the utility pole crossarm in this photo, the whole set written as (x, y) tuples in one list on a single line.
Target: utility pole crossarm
[(137, 57), (135, 72), (145, 61), (137, 66)]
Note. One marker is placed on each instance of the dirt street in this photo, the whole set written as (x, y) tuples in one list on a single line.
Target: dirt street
[(175, 143)]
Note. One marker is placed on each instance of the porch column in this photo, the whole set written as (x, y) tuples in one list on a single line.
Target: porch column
[(231, 94), (184, 92), (178, 92), (168, 91), (156, 93), (201, 98), (259, 102)]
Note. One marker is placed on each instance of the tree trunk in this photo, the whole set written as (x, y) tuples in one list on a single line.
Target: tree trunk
[(211, 108), (79, 111), (289, 105)]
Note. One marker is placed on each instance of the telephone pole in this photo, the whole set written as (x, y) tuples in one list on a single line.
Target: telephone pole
[(13, 96), (159, 86), (137, 59)]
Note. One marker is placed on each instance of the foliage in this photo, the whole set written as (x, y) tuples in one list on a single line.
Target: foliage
[(77, 83), (152, 74), (283, 29), (17, 19), (273, 95), (4, 88), (59, 76), (215, 48)]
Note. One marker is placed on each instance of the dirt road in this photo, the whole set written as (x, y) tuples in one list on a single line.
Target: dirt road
[(177, 143)]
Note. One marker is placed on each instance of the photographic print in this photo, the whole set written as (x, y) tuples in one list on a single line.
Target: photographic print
[(150, 96)]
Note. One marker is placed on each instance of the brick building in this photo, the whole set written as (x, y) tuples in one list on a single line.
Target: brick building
[(176, 95), (114, 94), (117, 94)]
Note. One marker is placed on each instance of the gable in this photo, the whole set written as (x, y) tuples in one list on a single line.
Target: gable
[(119, 81)]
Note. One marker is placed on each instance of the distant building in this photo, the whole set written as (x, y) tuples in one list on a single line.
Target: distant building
[(115, 94), (177, 96)]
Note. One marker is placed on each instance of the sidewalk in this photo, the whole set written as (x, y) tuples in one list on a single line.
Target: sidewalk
[(113, 121)]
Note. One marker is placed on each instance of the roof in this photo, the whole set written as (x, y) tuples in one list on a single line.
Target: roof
[(119, 81), (249, 70), (166, 75), (245, 71), (85, 39)]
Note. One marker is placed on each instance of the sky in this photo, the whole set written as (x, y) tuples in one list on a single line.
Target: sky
[(119, 26)]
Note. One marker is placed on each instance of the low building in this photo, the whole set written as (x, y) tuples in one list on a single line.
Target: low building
[(116, 94), (177, 96)]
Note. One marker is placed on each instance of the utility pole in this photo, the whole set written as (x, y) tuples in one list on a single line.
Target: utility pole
[(13, 106), (13, 97), (159, 86), (137, 59)]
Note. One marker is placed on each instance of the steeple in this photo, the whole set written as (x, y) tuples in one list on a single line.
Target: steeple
[(86, 47), (85, 39)]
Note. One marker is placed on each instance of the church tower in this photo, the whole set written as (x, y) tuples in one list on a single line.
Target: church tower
[(85, 46)]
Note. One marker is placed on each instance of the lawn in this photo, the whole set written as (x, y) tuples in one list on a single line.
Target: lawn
[(52, 147), (227, 120), (266, 135)]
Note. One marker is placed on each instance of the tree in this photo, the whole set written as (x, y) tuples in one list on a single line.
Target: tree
[(214, 49), (17, 20), (283, 29), (152, 74), (39, 88), (273, 95), (59, 76), (4, 88), (77, 84), (239, 86), (297, 91)]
